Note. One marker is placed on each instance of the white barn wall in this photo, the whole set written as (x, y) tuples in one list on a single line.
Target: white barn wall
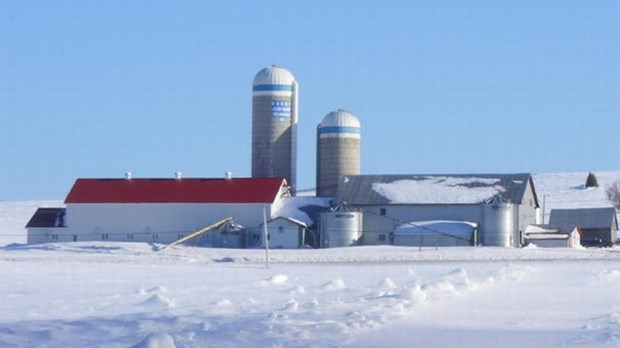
[(154, 221), (528, 214), (283, 234), (39, 235), (376, 229), (376, 225)]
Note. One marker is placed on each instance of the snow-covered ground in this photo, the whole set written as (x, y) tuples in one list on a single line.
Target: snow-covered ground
[(97, 294)]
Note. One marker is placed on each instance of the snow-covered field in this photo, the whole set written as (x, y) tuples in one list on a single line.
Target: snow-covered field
[(96, 294), (123, 294)]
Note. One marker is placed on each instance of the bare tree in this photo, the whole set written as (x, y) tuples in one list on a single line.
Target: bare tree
[(613, 193)]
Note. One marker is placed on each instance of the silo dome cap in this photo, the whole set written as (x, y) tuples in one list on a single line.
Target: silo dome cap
[(273, 75), (340, 118)]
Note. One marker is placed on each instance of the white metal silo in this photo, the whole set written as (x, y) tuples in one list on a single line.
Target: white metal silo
[(338, 150), (274, 124), (341, 228), (498, 223)]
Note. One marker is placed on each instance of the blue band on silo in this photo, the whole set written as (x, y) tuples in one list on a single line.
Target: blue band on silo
[(272, 88), (325, 130)]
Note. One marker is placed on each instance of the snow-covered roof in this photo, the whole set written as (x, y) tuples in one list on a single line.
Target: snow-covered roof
[(291, 207), (294, 221), (568, 191), (539, 228), (547, 236), (432, 189), (584, 218)]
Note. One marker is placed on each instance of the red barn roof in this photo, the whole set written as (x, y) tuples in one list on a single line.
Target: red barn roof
[(192, 190)]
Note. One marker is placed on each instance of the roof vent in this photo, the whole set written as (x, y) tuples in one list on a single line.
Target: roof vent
[(127, 175), (178, 175), (228, 175)]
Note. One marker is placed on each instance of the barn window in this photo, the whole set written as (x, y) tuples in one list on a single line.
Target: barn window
[(179, 236), (75, 237), (54, 237), (104, 236), (155, 236), (382, 211), (382, 238), (130, 236)]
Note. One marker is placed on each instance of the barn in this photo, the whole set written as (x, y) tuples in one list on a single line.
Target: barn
[(502, 205), (157, 210), (598, 226)]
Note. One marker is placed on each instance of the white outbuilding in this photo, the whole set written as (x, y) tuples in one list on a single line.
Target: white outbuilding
[(282, 232), (548, 236)]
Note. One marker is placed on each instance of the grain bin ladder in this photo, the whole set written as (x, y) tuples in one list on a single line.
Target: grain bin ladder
[(197, 233)]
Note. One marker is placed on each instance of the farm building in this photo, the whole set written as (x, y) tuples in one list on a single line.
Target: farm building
[(547, 236), (282, 232), (436, 233), (157, 210), (502, 205), (47, 225), (598, 226)]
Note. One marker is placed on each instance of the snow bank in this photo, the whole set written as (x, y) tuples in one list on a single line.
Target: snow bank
[(157, 340)]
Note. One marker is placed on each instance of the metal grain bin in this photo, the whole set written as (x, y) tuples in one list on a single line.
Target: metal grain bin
[(498, 223), (340, 229)]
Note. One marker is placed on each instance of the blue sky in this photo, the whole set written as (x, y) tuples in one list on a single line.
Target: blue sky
[(98, 88)]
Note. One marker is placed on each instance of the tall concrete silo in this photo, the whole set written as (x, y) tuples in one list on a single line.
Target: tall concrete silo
[(338, 150), (274, 124)]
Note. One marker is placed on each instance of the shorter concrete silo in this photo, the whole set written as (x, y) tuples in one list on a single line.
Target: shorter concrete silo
[(338, 150), (498, 223), (341, 229)]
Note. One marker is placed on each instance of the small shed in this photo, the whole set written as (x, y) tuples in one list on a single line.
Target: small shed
[(598, 226), (48, 225), (230, 235), (547, 236), (283, 233), (436, 233)]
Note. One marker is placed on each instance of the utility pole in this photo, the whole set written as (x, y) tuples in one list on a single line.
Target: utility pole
[(266, 236), (543, 210)]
